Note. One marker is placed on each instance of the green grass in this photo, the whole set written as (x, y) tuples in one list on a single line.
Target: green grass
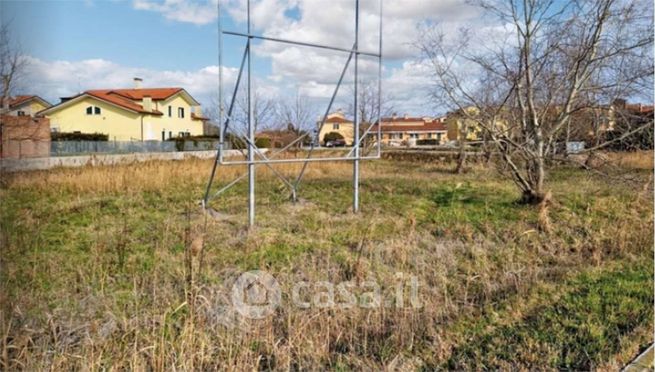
[(576, 326), (497, 292)]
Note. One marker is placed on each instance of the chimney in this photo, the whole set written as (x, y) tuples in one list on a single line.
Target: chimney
[(406, 116), (137, 82), (393, 116), (147, 103)]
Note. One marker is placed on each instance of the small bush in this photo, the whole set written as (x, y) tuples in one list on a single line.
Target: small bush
[(263, 142), (76, 136)]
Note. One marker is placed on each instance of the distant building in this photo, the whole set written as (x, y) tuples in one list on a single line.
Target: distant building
[(139, 114), (337, 122), (396, 130), (23, 105)]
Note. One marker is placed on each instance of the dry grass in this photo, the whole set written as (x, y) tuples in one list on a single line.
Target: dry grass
[(632, 160), (114, 267)]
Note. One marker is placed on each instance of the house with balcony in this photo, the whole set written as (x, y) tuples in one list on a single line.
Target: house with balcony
[(138, 114)]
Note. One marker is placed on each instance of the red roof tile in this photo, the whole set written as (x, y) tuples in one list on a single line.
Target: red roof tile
[(19, 99), (337, 119), (118, 100), (157, 94)]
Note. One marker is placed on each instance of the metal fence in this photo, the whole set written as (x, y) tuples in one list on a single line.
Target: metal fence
[(65, 148)]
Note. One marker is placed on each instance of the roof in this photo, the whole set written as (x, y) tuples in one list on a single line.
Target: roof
[(118, 99), (19, 100), (428, 126), (337, 119), (198, 117), (125, 98), (404, 119), (638, 107), (157, 94)]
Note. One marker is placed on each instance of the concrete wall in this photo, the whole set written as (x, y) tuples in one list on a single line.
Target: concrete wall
[(15, 165)]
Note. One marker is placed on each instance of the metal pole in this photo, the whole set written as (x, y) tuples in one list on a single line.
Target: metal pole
[(251, 136), (327, 112), (221, 107), (313, 45), (356, 161), (379, 134)]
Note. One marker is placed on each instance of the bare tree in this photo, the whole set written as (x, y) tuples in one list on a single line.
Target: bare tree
[(12, 65), (370, 107), (556, 60), (367, 103), (263, 109), (297, 114)]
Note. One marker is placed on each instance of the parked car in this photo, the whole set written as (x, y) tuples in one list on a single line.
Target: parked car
[(336, 143)]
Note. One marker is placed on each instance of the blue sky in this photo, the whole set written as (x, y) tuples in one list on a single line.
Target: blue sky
[(78, 45)]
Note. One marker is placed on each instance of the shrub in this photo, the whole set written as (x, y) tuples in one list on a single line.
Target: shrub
[(428, 142), (263, 142), (77, 136)]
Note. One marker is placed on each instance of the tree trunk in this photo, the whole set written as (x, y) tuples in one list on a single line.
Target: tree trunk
[(461, 158)]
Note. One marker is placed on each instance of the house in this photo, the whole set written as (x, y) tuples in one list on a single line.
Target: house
[(138, 114), (337, 123), (461, 124), (23, 105), (24, 137), (397, 130)]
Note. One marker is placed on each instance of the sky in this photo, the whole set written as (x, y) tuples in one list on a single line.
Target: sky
[(72, 46)]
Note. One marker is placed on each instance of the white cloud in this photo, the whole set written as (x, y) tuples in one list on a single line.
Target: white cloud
[(313, 72), (55, 79), (199, 13)]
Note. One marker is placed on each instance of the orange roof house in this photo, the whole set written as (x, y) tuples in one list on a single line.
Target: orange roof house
[(129, 114), (25, 105), (398, 130)]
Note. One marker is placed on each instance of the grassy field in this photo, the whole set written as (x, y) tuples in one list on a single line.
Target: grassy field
[(116, 267)]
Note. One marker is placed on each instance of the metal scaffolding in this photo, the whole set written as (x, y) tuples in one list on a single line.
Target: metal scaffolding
[(254, 155)]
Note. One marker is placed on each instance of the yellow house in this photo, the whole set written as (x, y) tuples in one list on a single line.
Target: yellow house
[(460, 125), (139, 114), (337, 122), (25, 106)]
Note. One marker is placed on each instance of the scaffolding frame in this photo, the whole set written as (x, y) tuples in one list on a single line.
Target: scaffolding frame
[(354, 153)]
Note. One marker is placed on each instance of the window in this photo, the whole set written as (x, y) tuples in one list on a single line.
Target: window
[(180, 112), (400, 136), (170, 134), (413, 135), (180, 134), (429, 135), (170, 111), (20, 113), (93, 110), (335, 126)]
